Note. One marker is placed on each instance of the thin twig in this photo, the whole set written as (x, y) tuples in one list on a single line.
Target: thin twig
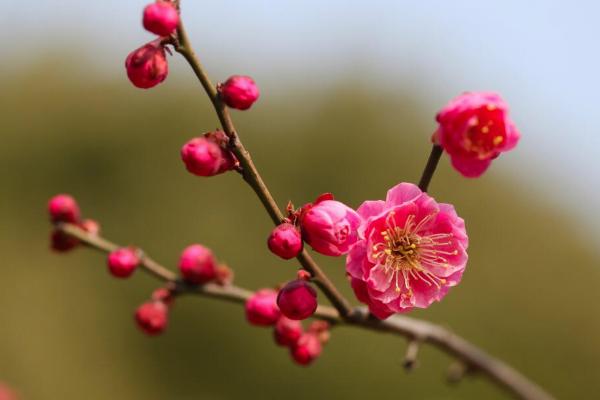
[(250, 173), (413, 329), (432, 162)]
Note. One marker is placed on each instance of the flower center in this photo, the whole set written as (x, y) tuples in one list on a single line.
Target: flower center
[(406, 251), (484, 133)]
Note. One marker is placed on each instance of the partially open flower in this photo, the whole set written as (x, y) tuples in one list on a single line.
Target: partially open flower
[(474, 128), (411, 251), (261, 308), (297, 300), (330, 227), (147, 66)]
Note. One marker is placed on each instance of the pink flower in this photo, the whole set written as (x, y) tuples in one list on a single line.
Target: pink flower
[(197, 264), (239, 92), (63, 208), (261, 308), (152, 317), (285, 241), (147, 66), (61, 242), (411, 251), (123, 262), (161, 18), (207, 155), (330, 227), (297, 300), (474, 128)]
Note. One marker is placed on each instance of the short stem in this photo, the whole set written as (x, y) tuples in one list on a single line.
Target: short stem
[(432, 162)]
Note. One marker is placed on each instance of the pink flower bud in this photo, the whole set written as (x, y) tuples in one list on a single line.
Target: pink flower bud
[(152, 317), (197, 264), (7, 393), (147, 66), (224, 275), (307, 349), (321, 329), (303, 275), (287, 331), (90, 226), (61, 242), (297, 300), (474, 128), (163, 295), (239, 92), (208, 155), (285, 241), (261, 308), (123, 262), (330, 227), (161, 18), (63, 208)]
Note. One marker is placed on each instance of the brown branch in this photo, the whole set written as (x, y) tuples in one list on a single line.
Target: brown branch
[(417, 331), (432, 162), (251, 175)]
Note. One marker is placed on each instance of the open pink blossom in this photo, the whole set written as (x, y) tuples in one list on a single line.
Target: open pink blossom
[(474, 128), (330, 227), (410, 252)]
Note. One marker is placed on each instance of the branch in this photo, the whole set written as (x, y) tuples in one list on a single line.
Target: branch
[(432, 162), (250, 173), (416, 331)]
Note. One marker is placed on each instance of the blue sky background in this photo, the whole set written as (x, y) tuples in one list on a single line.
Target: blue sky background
[(542, 56)]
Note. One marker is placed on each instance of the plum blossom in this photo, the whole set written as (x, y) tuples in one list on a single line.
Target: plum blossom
[(410, 251), (474, 128)]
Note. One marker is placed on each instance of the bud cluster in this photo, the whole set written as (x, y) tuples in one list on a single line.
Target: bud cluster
[(264, 309), (63, 208)]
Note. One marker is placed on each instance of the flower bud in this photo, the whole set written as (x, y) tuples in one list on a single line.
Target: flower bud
[(163, 295), (147, 66), (61, 242), (63, 208), (330, 227), (261, 308), (161, 18), (197, 264), (285, 241), (303, 275), (123, 262), (474, 128), (224, 275), (6, 393), (287, 331), (207, 155), (90, 226), (152, 317), (239, 92), (297, 300), (307, 349)]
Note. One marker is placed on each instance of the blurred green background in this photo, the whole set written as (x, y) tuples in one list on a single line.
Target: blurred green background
[(529, 295)]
